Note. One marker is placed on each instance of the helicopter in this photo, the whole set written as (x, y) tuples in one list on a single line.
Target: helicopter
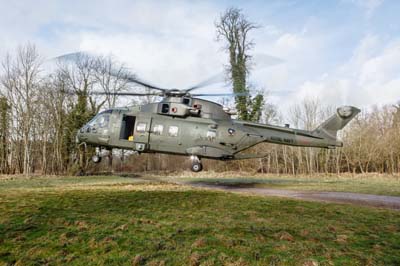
[(183, 124)]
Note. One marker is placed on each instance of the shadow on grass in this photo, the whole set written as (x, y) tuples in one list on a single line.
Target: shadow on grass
[(245, 183), (105, 173)]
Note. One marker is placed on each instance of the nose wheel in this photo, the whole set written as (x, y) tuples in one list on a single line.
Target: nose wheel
[(197, 166), (97, 158)]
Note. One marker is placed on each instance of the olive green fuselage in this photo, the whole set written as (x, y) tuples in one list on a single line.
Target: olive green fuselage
[(221, 137)]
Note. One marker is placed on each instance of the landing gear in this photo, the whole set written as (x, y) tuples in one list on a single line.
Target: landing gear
[(97, 158), (197, 166)]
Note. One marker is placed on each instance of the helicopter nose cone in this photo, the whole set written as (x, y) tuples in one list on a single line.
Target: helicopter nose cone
[(79, 137)]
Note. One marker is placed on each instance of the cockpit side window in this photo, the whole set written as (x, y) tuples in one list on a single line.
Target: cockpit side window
[(101, 120), (104, 120)]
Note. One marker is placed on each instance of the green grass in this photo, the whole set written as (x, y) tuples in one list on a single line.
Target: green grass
[(367, 184), (112, 220)]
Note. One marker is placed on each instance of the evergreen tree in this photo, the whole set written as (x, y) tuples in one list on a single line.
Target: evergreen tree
[(233, 28), (76, 118), (4, 131)]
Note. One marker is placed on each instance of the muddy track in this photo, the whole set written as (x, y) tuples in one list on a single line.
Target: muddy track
[(389, 202)]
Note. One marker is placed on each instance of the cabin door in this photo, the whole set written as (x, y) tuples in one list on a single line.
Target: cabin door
[(127, 127), (142, 132)]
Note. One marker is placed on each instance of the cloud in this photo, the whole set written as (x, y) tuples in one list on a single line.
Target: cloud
[(172, 43), (171, 62), (370, 76), (368, 5)]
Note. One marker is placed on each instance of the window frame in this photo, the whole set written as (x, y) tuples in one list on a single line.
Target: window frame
[(140, 130), (156, 129), (173, 134)]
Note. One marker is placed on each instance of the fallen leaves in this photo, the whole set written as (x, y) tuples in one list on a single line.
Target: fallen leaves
[(194, 259), (123, 227), (310, 263), (342, 239), (286, 236), (137, 260), (200, 242), (81, 225)]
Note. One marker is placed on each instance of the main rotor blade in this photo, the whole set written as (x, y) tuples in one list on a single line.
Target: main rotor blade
[(75, 57), (221, 94), (124, 93), (133, 79), (239, 94), (279, 92), (71, 56), (218, 78), (261, 61)]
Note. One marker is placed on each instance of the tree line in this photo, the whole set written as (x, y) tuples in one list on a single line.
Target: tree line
[(41, 109), (41, 112)]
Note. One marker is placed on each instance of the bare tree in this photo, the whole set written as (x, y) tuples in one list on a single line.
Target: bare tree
[(79, 75), (110, 76), (21, 80)]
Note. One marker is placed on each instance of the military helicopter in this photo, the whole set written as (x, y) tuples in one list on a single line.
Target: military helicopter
[(183, 124)]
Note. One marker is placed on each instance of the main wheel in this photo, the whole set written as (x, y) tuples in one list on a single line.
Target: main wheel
[(197, 167), (96, 159)]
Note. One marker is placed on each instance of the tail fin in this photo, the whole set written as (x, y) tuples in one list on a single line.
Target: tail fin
[(338, 121)]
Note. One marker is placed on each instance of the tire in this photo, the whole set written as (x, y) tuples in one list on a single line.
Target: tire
[(96, 159), (196, 167)]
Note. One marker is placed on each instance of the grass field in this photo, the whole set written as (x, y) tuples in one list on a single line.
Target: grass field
[(125, 221)]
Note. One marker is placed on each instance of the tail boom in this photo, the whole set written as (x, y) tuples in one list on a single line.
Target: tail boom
[(324, 136)]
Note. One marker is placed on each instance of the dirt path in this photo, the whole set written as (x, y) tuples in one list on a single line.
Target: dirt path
[(389, 202)]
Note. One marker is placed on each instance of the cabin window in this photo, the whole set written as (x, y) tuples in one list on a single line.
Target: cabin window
[(141, 128), (165, 108), (173, 131), (158, 129)]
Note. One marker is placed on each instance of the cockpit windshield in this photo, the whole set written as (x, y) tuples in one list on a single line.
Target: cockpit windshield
[(101, 120)]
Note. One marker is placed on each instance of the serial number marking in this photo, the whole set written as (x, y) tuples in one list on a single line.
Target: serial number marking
[(282, 140)]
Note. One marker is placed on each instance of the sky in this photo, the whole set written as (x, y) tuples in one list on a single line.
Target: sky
[(343, 52)]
